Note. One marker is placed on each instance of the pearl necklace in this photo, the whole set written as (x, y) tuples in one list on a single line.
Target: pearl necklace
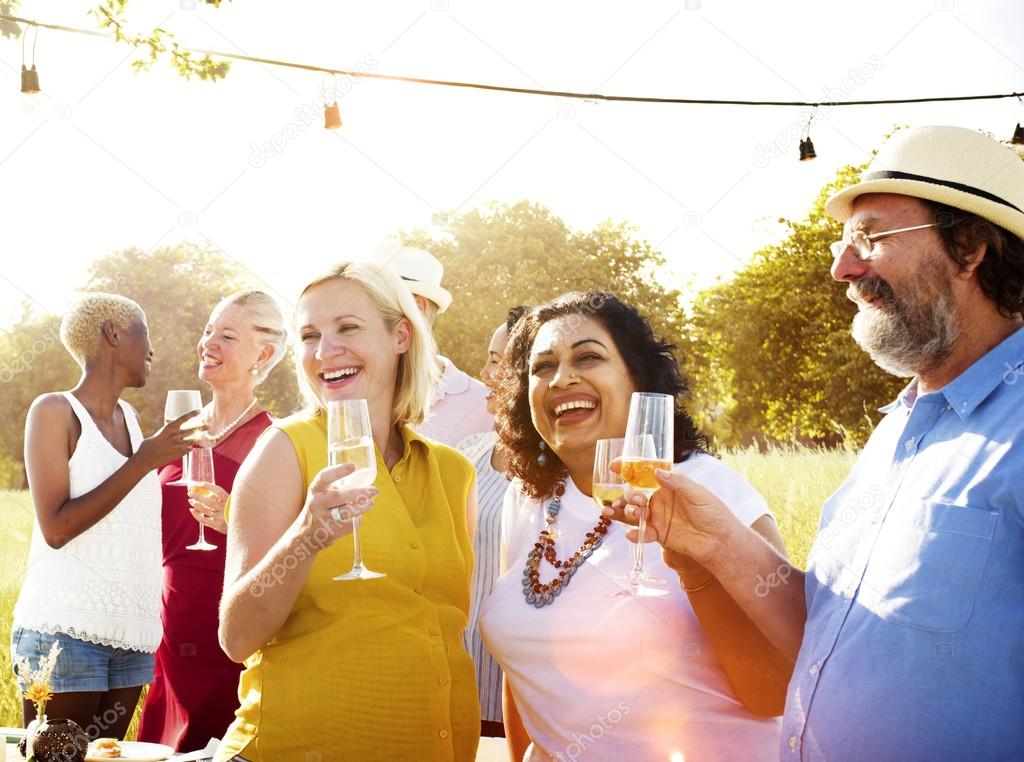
[(215, 437)]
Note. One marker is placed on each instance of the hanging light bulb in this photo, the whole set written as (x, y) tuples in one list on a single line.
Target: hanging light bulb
[(332, 114), (806, 146), (29, 77), (1018, 136)]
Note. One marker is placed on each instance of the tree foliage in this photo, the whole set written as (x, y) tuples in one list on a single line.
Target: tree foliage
[(112, 15), (505, 255), (177, 287), (774, 344)]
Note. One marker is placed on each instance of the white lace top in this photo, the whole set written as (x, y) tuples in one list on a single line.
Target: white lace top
[(103, 586)]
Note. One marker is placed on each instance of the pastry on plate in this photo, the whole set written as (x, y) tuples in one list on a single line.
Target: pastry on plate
[(105, 748)]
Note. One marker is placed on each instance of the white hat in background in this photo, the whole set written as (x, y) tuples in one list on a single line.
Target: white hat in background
[(419, 270)]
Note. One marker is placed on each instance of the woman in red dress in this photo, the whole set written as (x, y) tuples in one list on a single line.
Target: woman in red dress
[(195, 686)]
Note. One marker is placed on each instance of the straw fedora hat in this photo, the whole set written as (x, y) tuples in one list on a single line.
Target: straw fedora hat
[(954, 166), (419, 270)]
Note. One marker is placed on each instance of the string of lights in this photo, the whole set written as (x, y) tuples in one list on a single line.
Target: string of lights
[(333, 119)]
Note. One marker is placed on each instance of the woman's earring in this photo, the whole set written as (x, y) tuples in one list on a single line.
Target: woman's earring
[(255, 370), (542, 458)]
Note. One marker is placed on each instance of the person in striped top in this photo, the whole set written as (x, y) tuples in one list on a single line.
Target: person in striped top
[(491, 484)]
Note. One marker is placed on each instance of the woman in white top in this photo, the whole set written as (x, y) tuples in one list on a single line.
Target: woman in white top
[(595, 675), (93, 579), (491, 483)]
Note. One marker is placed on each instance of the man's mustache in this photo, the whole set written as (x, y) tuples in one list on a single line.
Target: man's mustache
[(870, 288)]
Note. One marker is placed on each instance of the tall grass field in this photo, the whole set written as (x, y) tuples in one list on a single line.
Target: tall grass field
[(795, 482)]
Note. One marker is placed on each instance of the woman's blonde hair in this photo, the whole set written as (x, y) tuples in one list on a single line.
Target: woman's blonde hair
[(82, 328), (417, 368), (267, 321)]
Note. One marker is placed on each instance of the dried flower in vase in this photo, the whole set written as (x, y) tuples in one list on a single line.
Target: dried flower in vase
[(35, 683)]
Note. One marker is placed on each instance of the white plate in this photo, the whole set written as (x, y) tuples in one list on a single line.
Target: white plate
[(136, 751)]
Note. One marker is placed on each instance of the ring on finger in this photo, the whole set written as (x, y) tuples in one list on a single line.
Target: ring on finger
[(336, 514)]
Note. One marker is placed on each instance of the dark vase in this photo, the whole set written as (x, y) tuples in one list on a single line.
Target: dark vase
[(59, 741)]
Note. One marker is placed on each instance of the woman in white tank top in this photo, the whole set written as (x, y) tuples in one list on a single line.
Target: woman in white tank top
[(93, 577)]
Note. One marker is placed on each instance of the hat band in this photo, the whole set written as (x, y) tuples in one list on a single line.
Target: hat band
[(891, 175)]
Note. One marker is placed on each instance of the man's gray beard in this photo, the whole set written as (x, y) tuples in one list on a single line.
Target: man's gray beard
[(906, 344)]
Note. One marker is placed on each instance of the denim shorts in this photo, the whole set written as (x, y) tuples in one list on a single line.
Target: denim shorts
[(83, 666)]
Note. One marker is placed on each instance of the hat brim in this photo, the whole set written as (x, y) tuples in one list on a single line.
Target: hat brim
[(840, 205), (436, 294)]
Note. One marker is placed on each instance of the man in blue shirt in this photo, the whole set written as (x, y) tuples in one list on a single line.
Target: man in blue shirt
[(907, 630)]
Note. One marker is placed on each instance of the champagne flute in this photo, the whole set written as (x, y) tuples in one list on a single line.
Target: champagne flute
[(200, 469), (648, 446), (607, 486), (349, 440), (179, 402)]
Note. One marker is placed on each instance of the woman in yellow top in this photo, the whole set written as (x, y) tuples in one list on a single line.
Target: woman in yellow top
[(371, 669)]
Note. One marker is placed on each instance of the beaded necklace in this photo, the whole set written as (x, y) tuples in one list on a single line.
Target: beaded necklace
[(540, 594)]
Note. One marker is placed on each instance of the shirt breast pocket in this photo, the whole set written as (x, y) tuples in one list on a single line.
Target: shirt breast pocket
[(927, 564)]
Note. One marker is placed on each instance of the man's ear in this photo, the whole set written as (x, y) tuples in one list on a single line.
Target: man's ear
[(110, 333), (974, 254)]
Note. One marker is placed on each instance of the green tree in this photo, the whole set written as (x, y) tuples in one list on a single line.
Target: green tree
[(775, 344), (32, 361), (504, 255)]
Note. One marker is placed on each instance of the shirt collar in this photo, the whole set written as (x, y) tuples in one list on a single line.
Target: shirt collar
[(409, 436), (412, 437), (453, 380), (1004, 363)]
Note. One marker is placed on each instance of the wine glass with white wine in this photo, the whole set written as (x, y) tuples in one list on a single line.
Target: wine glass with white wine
[(349, 440), (607, 486), (200, 469), (179, 402), (647, 447)]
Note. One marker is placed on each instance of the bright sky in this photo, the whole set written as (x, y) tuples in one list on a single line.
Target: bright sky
[(105, 158)]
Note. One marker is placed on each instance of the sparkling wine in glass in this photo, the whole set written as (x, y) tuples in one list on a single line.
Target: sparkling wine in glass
[(179, 402), (200, 469), (647, 447), (608, 486), (349, 440)]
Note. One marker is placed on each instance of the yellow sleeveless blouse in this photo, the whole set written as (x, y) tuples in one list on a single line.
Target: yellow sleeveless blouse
[(376, 669)]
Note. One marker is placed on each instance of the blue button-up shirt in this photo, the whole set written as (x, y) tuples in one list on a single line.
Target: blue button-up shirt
[(914, 642)]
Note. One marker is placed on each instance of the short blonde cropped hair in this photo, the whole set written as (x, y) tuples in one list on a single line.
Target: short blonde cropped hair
[(267, 321), (82, 328), (418, 370)]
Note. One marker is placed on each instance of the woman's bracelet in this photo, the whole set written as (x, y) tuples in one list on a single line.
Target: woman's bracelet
[(699, 587)]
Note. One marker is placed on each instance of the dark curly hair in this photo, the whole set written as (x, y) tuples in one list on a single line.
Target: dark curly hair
[(1001, 273), (513, 316), (652, 368)]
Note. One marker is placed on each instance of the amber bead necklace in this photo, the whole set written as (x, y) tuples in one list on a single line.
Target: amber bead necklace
[(540, 594)]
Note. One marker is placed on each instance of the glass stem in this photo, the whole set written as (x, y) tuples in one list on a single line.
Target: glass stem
[(357, 553), (202, 533), (637, 575)]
